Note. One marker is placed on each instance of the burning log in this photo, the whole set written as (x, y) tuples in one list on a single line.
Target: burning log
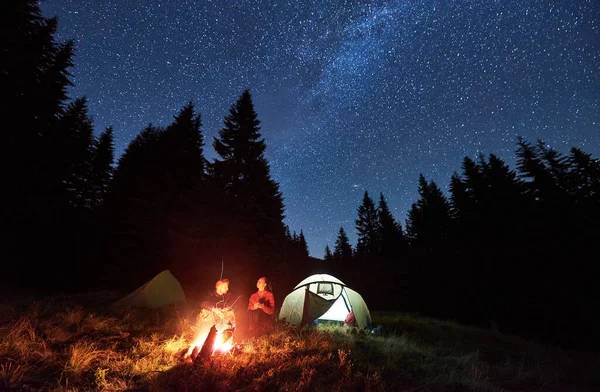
[(207, 347), (194, 353)]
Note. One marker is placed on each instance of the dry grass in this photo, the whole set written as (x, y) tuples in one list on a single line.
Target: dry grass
[(74, 343)]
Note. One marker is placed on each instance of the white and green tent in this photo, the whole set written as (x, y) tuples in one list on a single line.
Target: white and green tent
[(162, 290), (323, 297)]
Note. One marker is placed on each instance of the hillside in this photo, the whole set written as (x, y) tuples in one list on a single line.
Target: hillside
[(75, 343)]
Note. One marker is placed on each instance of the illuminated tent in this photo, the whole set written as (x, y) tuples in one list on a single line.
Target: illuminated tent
[(323, 297), (162, 290)]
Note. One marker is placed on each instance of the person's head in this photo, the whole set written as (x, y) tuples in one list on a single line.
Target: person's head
[(263, 284), (222, 286)]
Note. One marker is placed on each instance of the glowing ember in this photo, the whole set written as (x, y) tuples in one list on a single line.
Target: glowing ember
[(223, 342)]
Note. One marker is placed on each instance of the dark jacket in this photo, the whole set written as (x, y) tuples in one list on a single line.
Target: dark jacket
[(213, 300)]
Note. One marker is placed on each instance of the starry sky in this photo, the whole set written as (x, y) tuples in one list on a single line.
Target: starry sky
[(352, 96)]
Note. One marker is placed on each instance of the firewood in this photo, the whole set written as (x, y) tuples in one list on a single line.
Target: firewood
[(194, 353), (207, 348)]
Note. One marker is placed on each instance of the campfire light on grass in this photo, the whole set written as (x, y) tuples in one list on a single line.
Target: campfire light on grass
[(64, 343)]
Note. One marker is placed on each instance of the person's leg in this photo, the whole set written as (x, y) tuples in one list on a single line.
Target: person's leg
[(253, 322), (264, 322)]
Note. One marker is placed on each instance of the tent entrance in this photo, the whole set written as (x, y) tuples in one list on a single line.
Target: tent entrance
[(339, 310)]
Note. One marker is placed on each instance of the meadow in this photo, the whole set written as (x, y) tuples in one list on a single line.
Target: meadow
[(75, 343)]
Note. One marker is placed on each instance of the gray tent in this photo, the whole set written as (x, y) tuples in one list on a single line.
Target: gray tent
[(323, 297)]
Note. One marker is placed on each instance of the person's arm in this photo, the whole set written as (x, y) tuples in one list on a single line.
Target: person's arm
[(253, 299), (269, 306), (208, 303)]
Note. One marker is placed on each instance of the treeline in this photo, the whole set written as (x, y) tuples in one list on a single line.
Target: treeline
[(511, 248), (77, 220)]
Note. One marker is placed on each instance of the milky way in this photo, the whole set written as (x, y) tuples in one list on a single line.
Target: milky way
[(352, 95)]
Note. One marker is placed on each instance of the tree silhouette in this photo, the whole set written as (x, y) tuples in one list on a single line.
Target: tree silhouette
[(255, 209), (343, 264), (156, 201), (303, 245), (391, 237), (34, 75), (367, 227), (328, 258), (102, 166), (428, 229), (73, 144)]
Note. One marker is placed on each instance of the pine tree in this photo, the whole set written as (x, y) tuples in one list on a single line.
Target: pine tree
[(342, 253), (488, 211), (328, 256), (367, 226), (389, 233), (303, 245), (539, 182), (184, 153), (458, 198), (429, 221), (102, 166), (288, 235), (256, 203), (428, 228), (136, 205), (34, 75), (161, 212), (73, 144), (585, 176)]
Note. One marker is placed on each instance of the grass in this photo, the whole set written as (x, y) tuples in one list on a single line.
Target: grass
[(76, 343)]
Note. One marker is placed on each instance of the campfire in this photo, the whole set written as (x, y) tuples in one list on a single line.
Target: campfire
[(214, 333)]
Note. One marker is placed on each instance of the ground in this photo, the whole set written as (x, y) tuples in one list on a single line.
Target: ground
[(69, 343)]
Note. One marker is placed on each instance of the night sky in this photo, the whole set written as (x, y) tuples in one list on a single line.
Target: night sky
[(351, 95)]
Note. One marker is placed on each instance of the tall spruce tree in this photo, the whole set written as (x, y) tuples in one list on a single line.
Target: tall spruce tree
[(102, 166), (487, 207), (328, 255), (390, 234), (585, 177), (72, 143), (303, 245), (136, 208), (154, 198), (255, 203), (428, 228), (342, 252), (184, 152), (429, 224), (34, 75), (367, 227)]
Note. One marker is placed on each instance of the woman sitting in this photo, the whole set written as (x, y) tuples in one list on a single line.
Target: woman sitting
[(261, 307)]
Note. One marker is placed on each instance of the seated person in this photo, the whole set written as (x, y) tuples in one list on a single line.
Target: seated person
[(218, 297), (261, 307), (216, 308)]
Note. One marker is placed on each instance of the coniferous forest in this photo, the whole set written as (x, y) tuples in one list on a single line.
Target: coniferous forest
[(512, 247)]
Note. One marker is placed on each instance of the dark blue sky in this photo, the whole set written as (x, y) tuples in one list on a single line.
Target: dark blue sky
[(352, 95)]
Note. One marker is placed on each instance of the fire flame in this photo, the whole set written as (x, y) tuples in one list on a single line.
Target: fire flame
[(222, 343)]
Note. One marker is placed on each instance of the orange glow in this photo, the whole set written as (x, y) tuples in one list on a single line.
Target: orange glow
[(223, 342)]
